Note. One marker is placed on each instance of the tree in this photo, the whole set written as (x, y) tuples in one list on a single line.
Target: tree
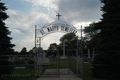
[(51, 49), (90, 30), (71, 44), (91, 36), (23, 51), (72, 41), (107, 41), (53, 46), (6, 48)]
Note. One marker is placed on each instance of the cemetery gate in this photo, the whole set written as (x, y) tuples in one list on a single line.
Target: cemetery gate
[(41, 60)]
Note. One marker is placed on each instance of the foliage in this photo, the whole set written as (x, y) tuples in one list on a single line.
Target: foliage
[(92, 36), (91, 31), (88, 73), (30, 62), (6, 48), (5, 69), (68, 39), (107, 41), (19, 62), (24, 50), (53, 46), (70, 45), (52, 49)]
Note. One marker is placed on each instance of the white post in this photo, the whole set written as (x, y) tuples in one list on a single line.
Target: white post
[(35, 35), (82, 50), (35, 52), (64, 48)]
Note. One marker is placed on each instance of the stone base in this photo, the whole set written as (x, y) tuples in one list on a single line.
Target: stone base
[(63, 57), (43, 63)]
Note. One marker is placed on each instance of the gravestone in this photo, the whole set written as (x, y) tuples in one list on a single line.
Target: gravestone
[(43, 60), (63, 56)]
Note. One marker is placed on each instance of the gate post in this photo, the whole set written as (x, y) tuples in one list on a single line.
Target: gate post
[(82, 50), (57, 62), (76, 62), (35, 53), (68, 61)]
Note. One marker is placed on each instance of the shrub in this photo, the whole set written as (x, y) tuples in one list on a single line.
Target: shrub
[(19, 62), (104, 68), (5, 68), (30, 62)]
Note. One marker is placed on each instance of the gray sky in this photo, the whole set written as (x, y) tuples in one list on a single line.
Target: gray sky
[(25, 14)]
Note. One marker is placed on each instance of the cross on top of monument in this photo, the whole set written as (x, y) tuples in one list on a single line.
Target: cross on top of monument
[(58, 16)]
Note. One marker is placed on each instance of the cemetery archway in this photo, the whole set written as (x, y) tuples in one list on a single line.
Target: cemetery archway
[(56, 26)]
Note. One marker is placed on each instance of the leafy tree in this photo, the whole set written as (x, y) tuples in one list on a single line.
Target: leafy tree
[(91, 31), (53, 46), (107, 41), (70, 40), (51, 49), (6, 48), (23, 51), (91, 36)]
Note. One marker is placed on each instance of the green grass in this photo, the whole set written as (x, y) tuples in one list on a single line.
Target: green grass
[(22, 74), (63, 64), (88, 73), (72, 65)]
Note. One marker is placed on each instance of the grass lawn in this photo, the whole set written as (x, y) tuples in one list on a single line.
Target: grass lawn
[(72, 65), (22, 74), (28, 74), (88, 73), (63, 64)]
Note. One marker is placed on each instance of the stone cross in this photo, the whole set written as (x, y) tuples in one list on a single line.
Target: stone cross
[(58, 16), (64, 47)]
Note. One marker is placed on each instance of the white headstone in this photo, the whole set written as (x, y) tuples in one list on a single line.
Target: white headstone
[(43, 59)]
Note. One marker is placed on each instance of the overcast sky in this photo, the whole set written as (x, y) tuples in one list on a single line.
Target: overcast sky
[(25, 14)]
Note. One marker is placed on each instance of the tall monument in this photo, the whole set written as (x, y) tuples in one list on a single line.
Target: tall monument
[(64, 56)]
